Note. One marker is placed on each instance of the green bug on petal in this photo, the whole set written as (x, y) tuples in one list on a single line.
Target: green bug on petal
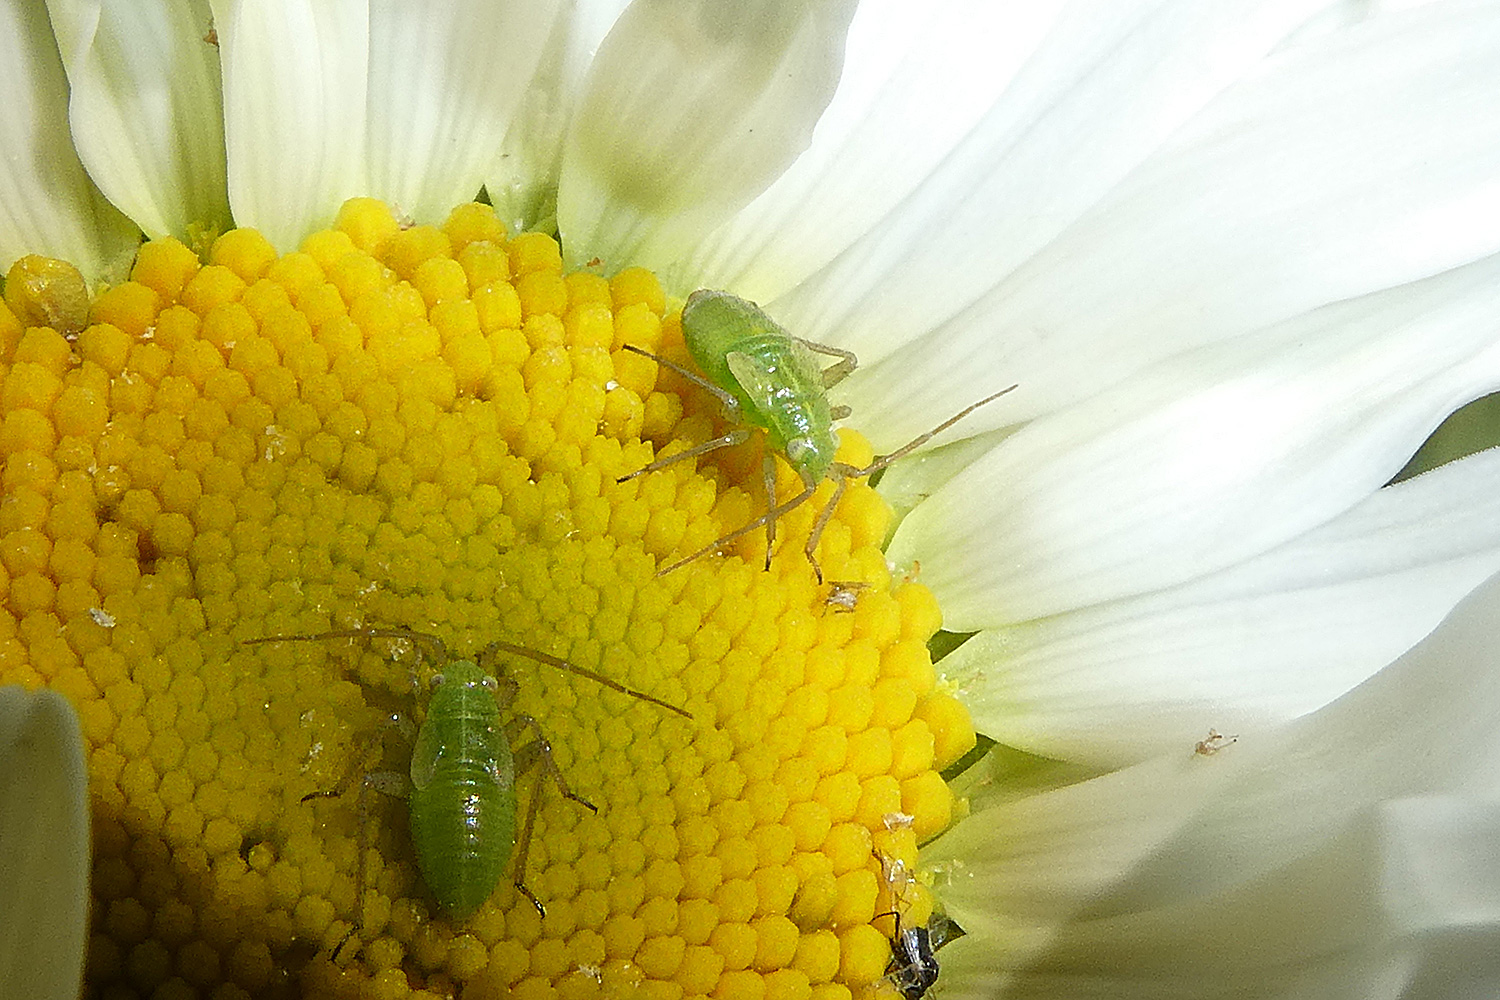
[(769, 380)]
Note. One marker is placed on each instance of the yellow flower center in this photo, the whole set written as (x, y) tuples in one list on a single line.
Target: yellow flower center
[(423, 428)]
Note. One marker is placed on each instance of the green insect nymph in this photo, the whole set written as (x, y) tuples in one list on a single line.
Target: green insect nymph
[(463, 799), (774, 377), (460, 787), (769, 380)]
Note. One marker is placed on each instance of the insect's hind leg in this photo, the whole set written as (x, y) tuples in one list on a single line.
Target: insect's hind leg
[(840, 370), (536, 753), (732, 412), (882, 461), (843, 472), (391, 783)]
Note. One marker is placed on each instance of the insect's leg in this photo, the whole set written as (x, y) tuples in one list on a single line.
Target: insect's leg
[(774, 512), (389, 782), (396, 785), (768, 473), (726, 399), (922, 439), (836, 373), (395, 721), (338, 790), (537, 752), (506, 687), (561, 664), (737, 436), (840, 473)]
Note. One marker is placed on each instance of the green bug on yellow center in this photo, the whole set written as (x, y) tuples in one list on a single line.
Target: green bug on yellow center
[(460, 788), (774, 377), (768, 380), (463, 792)]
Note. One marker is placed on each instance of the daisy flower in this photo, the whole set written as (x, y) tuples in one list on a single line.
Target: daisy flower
[(369, 370)]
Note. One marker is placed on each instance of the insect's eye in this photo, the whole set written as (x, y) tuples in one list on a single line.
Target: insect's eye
[(437, 680), (490, 684)]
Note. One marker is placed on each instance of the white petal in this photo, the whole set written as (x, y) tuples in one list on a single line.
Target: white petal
[(44, 846), (1260, 643), (691, 108), (295, 74), (445, 82), (1262, 869), (522, 184), (1360, 160), (1440, 885), (145, 109), (891, 120), (1430, 879), (1042, 105), (1208, 459), (912, 480), (47, 203)]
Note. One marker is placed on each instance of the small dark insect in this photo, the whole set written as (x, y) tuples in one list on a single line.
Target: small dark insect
[(461, 785), (913, 968), (769, 380)]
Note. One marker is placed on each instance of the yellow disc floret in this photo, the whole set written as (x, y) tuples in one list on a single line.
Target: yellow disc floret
[(423, 428)]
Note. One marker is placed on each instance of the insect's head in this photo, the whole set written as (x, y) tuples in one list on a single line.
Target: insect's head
[(463, 674)]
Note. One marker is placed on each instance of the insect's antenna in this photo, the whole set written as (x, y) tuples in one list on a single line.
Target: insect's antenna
[(922, 439), (415, 638), (561, 664), (769, 515)]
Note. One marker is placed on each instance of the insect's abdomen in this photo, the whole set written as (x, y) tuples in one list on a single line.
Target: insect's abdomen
[(462, 802), (464, 833), (788, 408)]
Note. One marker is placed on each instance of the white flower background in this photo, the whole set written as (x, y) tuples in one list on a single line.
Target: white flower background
[(1240, 257)]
